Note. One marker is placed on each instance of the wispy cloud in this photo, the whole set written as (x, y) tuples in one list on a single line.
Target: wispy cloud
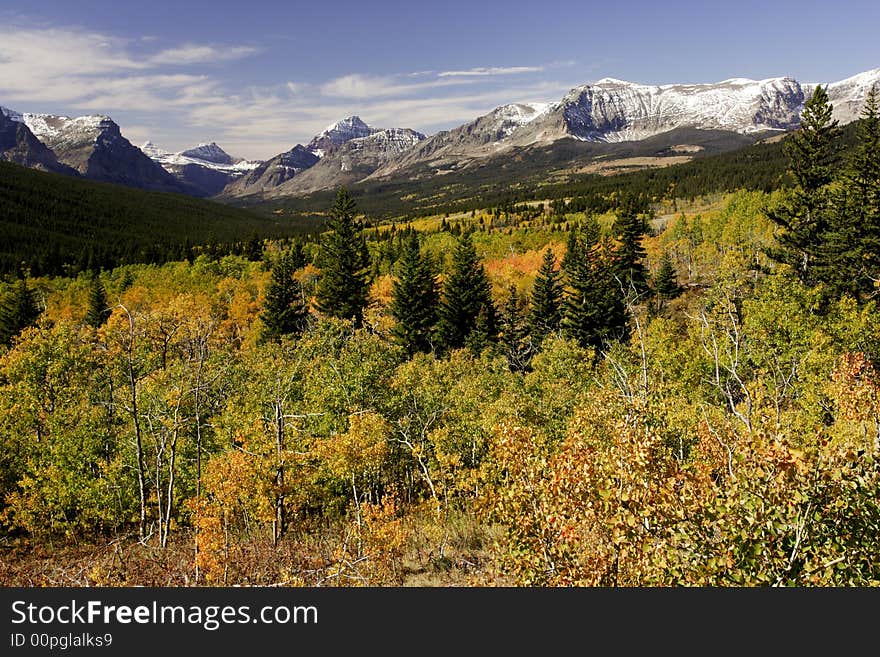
[(356, 85), (196, 54), (493, 70)]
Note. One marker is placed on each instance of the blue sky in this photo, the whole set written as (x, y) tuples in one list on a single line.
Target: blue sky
[(259, 77)]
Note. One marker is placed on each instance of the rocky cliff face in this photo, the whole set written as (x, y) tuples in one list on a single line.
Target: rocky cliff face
[(354, 160), (19, 145), (95, 147)]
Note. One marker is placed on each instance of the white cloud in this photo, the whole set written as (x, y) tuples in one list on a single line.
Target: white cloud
[(35, 61), (489, 71), (369, 86), (87, 69), (196, 54)]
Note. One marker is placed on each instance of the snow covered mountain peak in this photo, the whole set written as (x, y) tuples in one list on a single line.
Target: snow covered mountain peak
[(336, 134), (209, 153), (506, 119), (613, 81), (864, 80), (347, 126)]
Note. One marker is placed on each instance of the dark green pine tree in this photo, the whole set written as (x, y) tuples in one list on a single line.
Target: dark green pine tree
[(414, 299), (545, 316), (17, 311), (593, 307), (285, 311), (466, 306), (630, 228), (666, 281), (813, 151), (804, 218), (127, 280), (515, 332), (854, 238), (298, 255), (98, 310), (344, 262), (485, 333)]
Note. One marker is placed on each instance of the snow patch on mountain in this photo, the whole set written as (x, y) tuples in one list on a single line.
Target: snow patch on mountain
[(351, 127), (513, 116), (54, 128)]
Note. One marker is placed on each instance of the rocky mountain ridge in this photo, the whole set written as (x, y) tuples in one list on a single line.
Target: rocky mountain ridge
[(608, 111)]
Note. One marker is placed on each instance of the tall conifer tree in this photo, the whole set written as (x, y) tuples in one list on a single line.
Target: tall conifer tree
[(594, 312), (545, 315), (631, 228), (805, 215), (344, 261), (414, 299), (854, 240), (515, 332), (98, 311), (17, 311), (285, 311), (467, 298), (666, 281)]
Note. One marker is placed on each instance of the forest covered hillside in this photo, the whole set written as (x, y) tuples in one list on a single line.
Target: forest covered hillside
[(52, 224)]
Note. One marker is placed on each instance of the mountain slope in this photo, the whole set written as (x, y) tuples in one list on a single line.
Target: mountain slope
[(337, 156), (614, 111), (350, 151), (727, 162)]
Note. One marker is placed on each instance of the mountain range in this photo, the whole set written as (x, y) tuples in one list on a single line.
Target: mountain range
[(611, 118)]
